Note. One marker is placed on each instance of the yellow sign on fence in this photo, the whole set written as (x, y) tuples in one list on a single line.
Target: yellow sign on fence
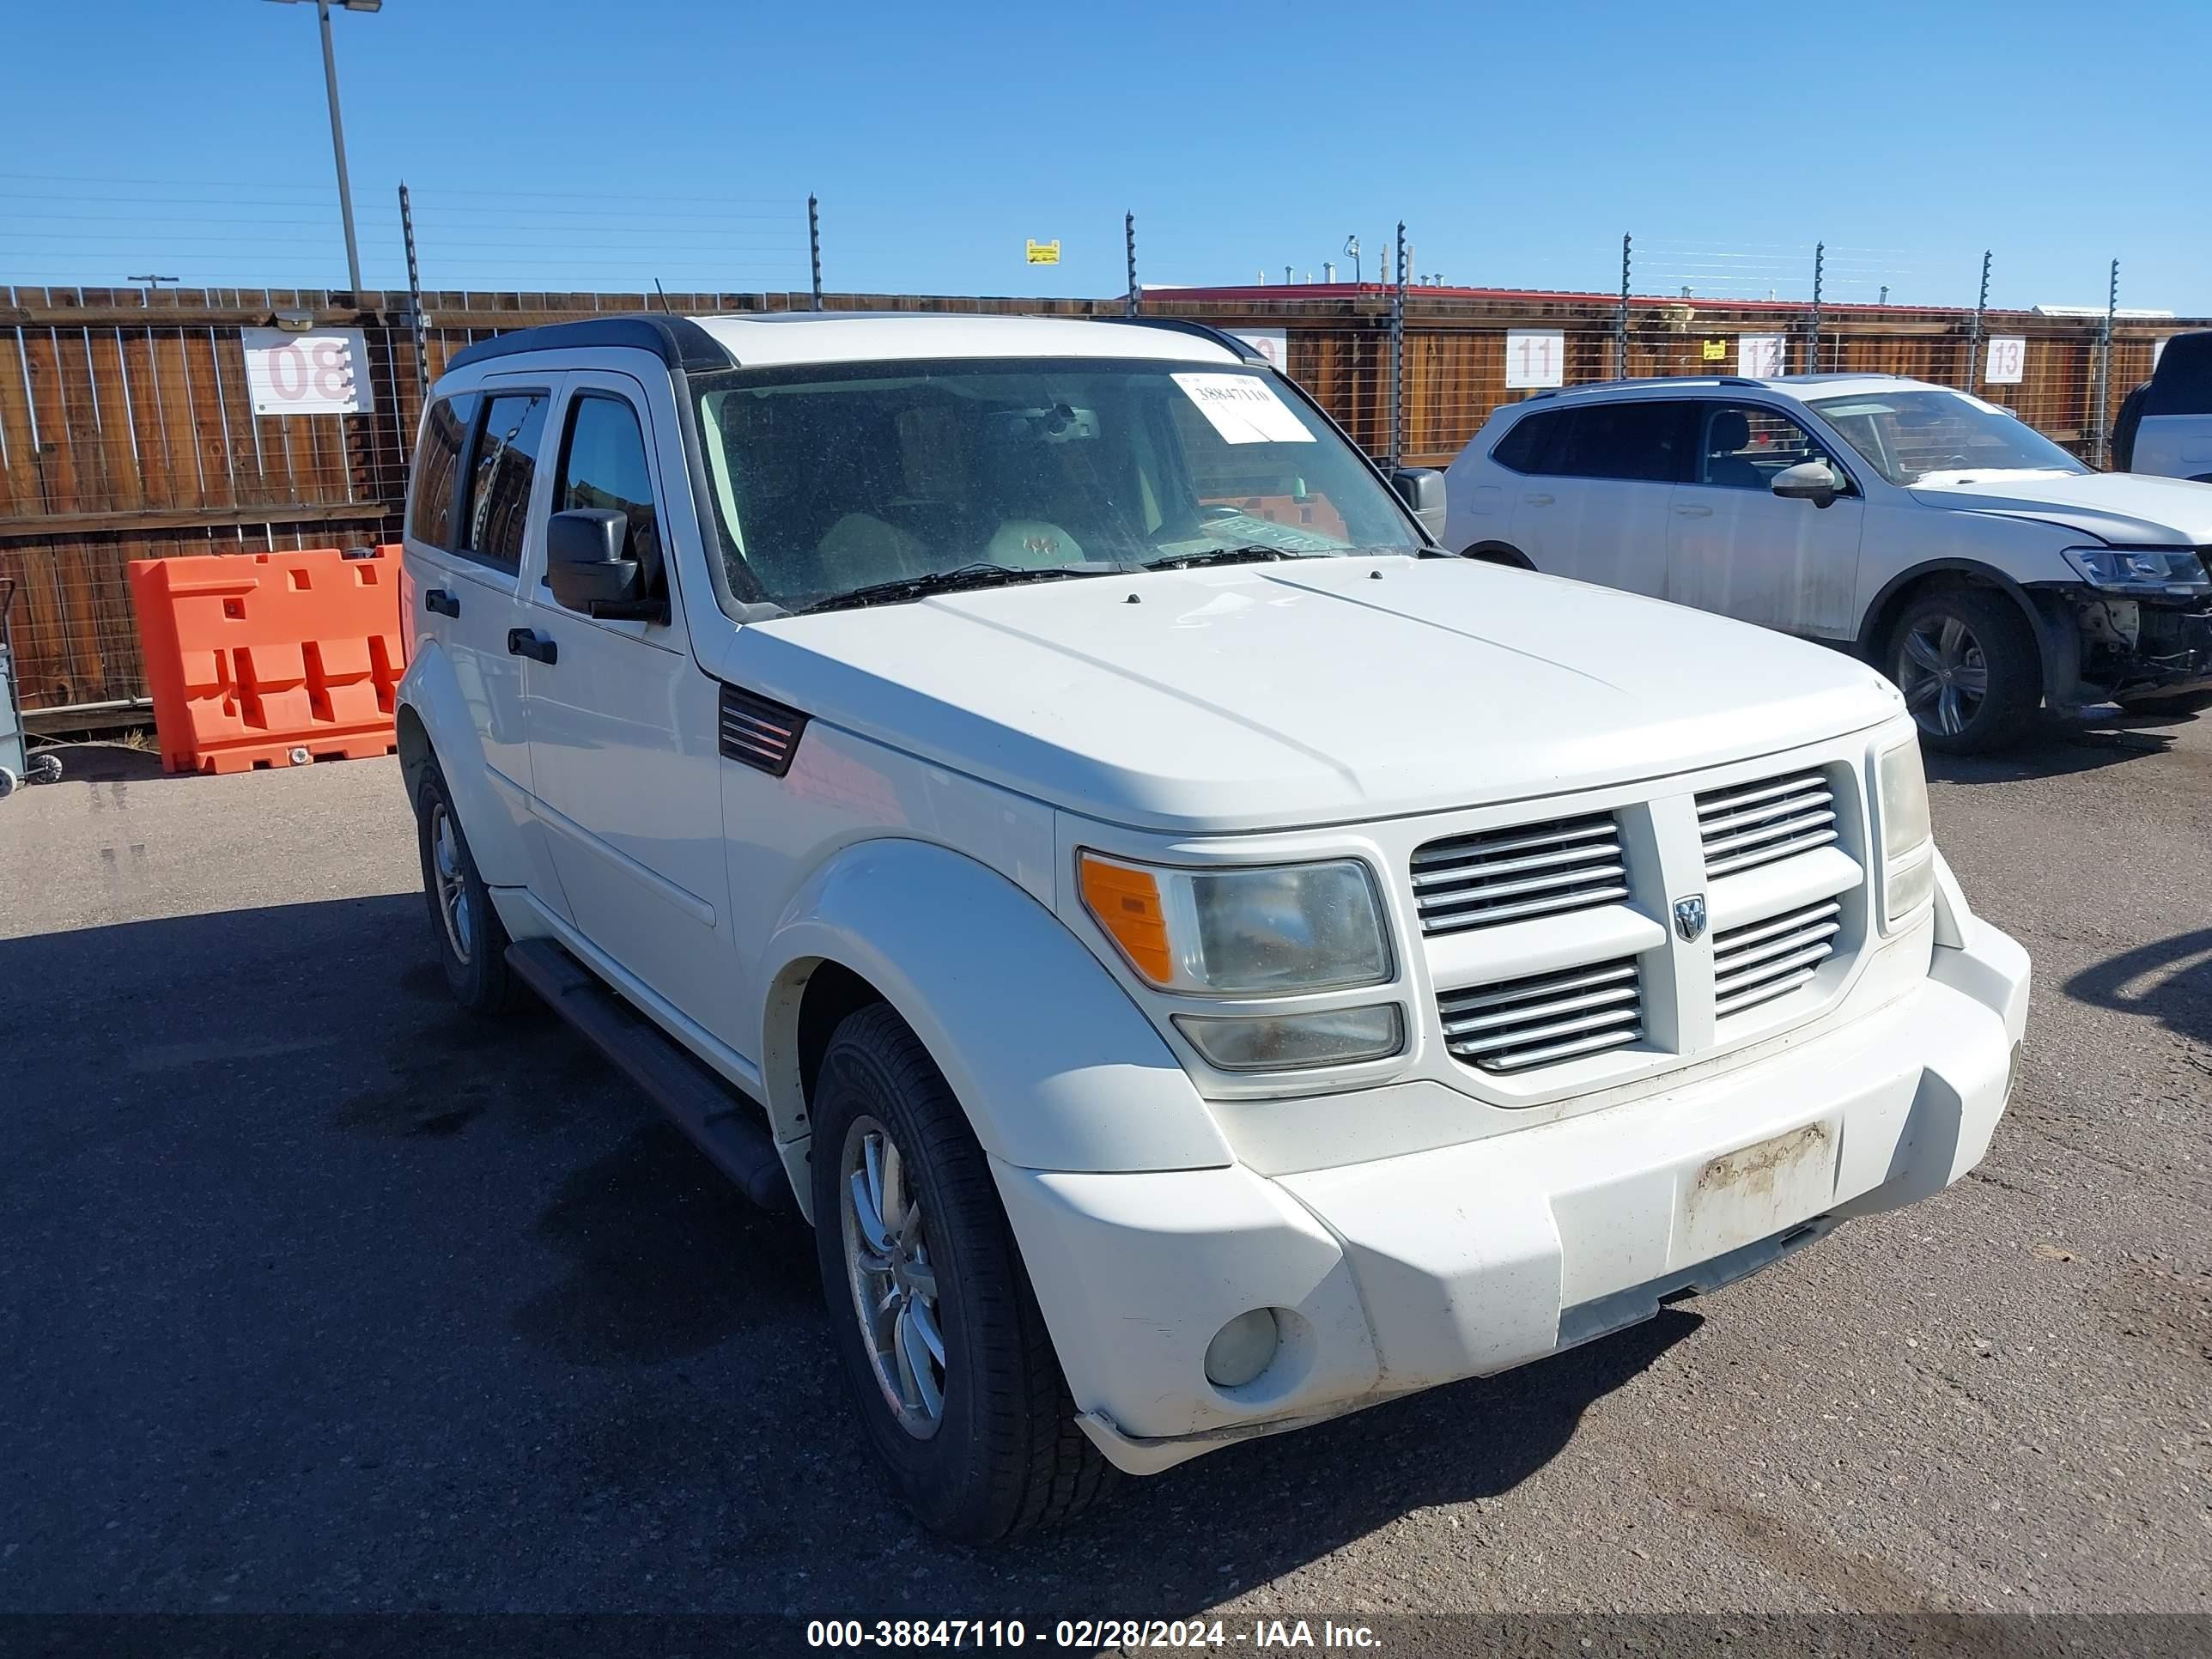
[(1045, 253), (1716, 351)]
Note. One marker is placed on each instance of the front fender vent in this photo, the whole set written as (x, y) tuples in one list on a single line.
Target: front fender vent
[(758, 732)]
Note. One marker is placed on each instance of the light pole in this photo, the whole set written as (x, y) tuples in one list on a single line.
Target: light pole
[(338, 126)]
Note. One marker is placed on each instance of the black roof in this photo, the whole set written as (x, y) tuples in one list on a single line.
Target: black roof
[(677, 341)]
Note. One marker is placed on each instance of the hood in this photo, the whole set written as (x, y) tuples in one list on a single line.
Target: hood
[(2126, 508), (1276, 696)]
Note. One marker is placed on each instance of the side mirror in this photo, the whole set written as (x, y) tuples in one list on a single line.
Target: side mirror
[(589, 567), (1809, 481), (1422, 490)]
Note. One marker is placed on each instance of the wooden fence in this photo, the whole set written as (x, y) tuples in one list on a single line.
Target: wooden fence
[(126, 430)]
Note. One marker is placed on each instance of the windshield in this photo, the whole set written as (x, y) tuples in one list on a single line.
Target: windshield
[(1946, 437), (831, 479)]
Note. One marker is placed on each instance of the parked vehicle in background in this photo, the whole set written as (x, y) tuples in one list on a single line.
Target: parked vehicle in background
[(1982, 568), (2164, 425), (1027, 793)]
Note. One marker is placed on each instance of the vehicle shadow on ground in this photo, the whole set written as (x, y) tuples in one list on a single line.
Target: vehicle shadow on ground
[(2170, 981), (2058, 749)]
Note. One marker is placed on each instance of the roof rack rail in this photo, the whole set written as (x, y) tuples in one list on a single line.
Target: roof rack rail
[(1244, 350), (677, 341)]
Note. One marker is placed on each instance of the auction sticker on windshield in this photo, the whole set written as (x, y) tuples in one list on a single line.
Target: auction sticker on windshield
[(1243, 409)]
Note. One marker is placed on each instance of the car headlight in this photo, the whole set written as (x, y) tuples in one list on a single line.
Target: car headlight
[(1908, 847), (1281, 1043), (1256, 932), (2140, 569)]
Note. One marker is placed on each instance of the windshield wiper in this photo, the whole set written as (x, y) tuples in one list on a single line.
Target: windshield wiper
[(968, 576), (1254, 553)]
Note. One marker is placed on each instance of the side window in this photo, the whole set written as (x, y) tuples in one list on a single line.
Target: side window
[(1640, 442), (437, 463), (2182, 384), (501, 473), (603, 465), (1522, 450), (1745, 445)]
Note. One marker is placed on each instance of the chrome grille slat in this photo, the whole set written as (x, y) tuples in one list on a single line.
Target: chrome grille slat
[(1522, 870), (1747, 825), (1762, 960), (1533, 1021)]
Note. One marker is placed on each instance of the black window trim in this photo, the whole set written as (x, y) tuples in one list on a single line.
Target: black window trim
[(486, 392)]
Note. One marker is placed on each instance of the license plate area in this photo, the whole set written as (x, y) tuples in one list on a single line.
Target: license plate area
[(1757, 1191)]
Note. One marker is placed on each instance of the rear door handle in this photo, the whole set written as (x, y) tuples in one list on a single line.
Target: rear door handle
[(1694, 512), (1538, 500), (526, 642), (444, 604)]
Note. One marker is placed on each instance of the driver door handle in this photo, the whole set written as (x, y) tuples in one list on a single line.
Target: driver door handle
[(1538, 500), (1695, 512), (528, 643)]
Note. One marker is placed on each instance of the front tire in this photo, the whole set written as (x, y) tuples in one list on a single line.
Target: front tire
[(472, 941), (943, 1344), (1965, 661)]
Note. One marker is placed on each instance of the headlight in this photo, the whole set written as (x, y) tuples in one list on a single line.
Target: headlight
[(1908, 849), (2140, 569), (1241, 931)]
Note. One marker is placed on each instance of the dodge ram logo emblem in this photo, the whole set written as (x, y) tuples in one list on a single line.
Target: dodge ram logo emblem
[(1690, 917)]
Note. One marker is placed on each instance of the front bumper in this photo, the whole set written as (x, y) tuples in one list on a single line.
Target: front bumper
[(1409, 1272), (2130, 647)]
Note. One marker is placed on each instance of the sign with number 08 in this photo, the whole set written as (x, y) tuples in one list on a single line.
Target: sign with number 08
[(1534, 357), (319, 374), (2008, 358)]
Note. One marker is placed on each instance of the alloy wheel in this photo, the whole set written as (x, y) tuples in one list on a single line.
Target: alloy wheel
[(454, 908), (894, 1284), (1943, 674)]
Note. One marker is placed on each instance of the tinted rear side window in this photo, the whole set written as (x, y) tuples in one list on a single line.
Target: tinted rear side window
[(2183, 384), (1642, 442), (1522, 450), (500, 476), (437, 460)]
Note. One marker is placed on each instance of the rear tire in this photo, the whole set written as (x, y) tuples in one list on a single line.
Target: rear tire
[(472, 940), (1965, 659), (953, 1372)]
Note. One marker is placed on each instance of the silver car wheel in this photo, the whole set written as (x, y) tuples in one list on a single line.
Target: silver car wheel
[(1943, 674), (454, 905), (894, 1284)]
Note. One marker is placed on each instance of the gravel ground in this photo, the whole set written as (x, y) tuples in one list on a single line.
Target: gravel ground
[(316, 1295)]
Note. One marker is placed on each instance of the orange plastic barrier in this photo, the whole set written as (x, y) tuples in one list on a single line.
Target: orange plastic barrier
[(269, 659)]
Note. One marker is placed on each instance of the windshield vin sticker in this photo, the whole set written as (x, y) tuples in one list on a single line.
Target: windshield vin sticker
[(1243, 409)]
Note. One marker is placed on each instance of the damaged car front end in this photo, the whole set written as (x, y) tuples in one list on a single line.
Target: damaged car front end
[(2136, 626)]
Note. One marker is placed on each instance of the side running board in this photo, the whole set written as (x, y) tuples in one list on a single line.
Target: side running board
[(729, 1127)]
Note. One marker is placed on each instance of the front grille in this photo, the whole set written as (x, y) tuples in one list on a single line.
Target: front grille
[(1749, 824), (1520, 1023), (1528, 870), (1762, 960)]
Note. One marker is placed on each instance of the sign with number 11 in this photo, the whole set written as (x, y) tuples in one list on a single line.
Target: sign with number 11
[(1534, 357)]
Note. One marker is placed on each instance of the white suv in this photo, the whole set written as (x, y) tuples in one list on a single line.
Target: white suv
[(1027, 793), (1980, 566)]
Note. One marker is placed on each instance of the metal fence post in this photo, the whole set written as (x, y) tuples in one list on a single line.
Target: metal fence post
[(415, 302), (2104, 369), (1620, 317), (1398, 354), (1820, 272), (814, 243), (1974, 339), (1129, 245)]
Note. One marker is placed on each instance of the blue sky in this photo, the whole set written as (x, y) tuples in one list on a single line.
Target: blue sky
[(557, 144)]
